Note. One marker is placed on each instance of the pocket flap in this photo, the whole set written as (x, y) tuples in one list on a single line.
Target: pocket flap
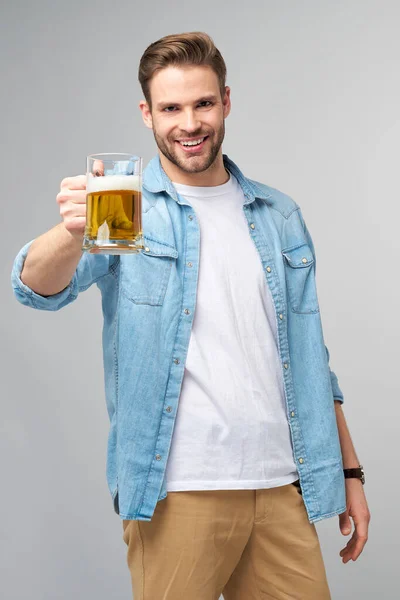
[(300, 256), (155, 248)]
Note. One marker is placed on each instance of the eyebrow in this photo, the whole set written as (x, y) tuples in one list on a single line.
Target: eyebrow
[(210, 98)]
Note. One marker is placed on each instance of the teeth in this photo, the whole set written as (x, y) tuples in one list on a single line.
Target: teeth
[(195, 143)]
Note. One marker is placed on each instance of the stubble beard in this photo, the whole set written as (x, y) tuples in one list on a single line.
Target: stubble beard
[(191, 164)]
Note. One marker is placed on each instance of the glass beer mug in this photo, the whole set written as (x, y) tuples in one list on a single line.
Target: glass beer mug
[(113, 204)]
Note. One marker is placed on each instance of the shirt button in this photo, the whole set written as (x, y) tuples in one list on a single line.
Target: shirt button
[(281, 317), (304, 260), (168, 409), (268, 269), (187, 311), (158, 456), (252, 225), (190, 218), (189, 264), (147, 249), (176, 361), (301, 460), (285, 365), (292, 413)]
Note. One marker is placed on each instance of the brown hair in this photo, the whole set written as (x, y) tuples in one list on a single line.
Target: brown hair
[(194, 48)]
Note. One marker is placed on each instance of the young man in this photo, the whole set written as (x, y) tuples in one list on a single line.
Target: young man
[(227, 436)]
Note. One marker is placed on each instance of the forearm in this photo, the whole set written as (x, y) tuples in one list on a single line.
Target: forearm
[(349, 455), (51, 261)]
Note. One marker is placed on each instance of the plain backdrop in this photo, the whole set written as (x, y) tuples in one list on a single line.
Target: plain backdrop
[(315, 113)]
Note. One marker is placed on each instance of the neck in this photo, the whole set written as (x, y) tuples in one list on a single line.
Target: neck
[(216, 173)]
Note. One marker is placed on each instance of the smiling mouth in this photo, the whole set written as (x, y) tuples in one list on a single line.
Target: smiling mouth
[(196, 142), (193, 145)]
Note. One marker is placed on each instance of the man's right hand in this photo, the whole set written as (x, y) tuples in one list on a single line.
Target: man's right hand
[(53, 257), (72, 202)]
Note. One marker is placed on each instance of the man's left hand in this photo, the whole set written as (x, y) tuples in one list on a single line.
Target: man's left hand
[(357, 509)]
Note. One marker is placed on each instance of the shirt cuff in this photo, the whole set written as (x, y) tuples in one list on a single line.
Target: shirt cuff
[(25, 295)]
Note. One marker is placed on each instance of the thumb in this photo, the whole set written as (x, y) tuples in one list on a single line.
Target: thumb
[(345, 523)]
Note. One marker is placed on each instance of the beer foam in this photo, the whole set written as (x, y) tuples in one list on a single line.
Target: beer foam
[(108, 183)]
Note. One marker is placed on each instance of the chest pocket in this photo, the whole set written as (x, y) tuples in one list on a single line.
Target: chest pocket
[(144, 277), (300, 279)]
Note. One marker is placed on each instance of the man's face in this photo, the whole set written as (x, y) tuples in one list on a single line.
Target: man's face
[(187, 107)]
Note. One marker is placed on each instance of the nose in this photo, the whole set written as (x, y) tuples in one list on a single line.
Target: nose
[(190, 122)]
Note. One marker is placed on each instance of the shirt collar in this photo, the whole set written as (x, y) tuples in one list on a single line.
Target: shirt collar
[(156, 180)]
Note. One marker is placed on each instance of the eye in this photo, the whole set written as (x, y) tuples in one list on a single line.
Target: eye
[(205, 103), (169, 108)]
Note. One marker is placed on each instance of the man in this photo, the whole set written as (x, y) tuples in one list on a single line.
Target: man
[(227, 435)]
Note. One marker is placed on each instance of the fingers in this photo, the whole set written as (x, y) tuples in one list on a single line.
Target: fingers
[(72, 202), (75, 196), (98, 168), (353, 549), (358, 547), (356, 544), (345, 523), (347, 552), (71, 209), (361, 525), (74, 183)]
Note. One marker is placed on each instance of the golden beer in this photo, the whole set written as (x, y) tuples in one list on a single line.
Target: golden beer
[(113, 214)]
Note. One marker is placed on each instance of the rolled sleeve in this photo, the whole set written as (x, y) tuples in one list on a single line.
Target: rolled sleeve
[(25, 295)]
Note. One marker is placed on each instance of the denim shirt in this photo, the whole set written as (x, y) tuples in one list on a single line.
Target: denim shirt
[(149, 302)]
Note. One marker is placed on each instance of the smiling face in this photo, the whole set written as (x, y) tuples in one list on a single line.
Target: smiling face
[(188, 122)]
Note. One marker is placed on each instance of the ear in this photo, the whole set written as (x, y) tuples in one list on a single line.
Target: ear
[(226, 101), (146, 114)]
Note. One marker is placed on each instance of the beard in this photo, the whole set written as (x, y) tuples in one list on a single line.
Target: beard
[(191, 164)]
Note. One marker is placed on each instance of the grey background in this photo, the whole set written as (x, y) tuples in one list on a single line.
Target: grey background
[(315, 113)]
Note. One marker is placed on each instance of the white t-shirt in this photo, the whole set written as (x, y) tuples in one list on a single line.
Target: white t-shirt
[(231, 429)]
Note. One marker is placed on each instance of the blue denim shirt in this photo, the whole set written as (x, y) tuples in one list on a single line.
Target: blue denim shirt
[(147, 329)]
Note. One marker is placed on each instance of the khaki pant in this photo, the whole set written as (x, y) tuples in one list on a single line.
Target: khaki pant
[(243, 544)]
